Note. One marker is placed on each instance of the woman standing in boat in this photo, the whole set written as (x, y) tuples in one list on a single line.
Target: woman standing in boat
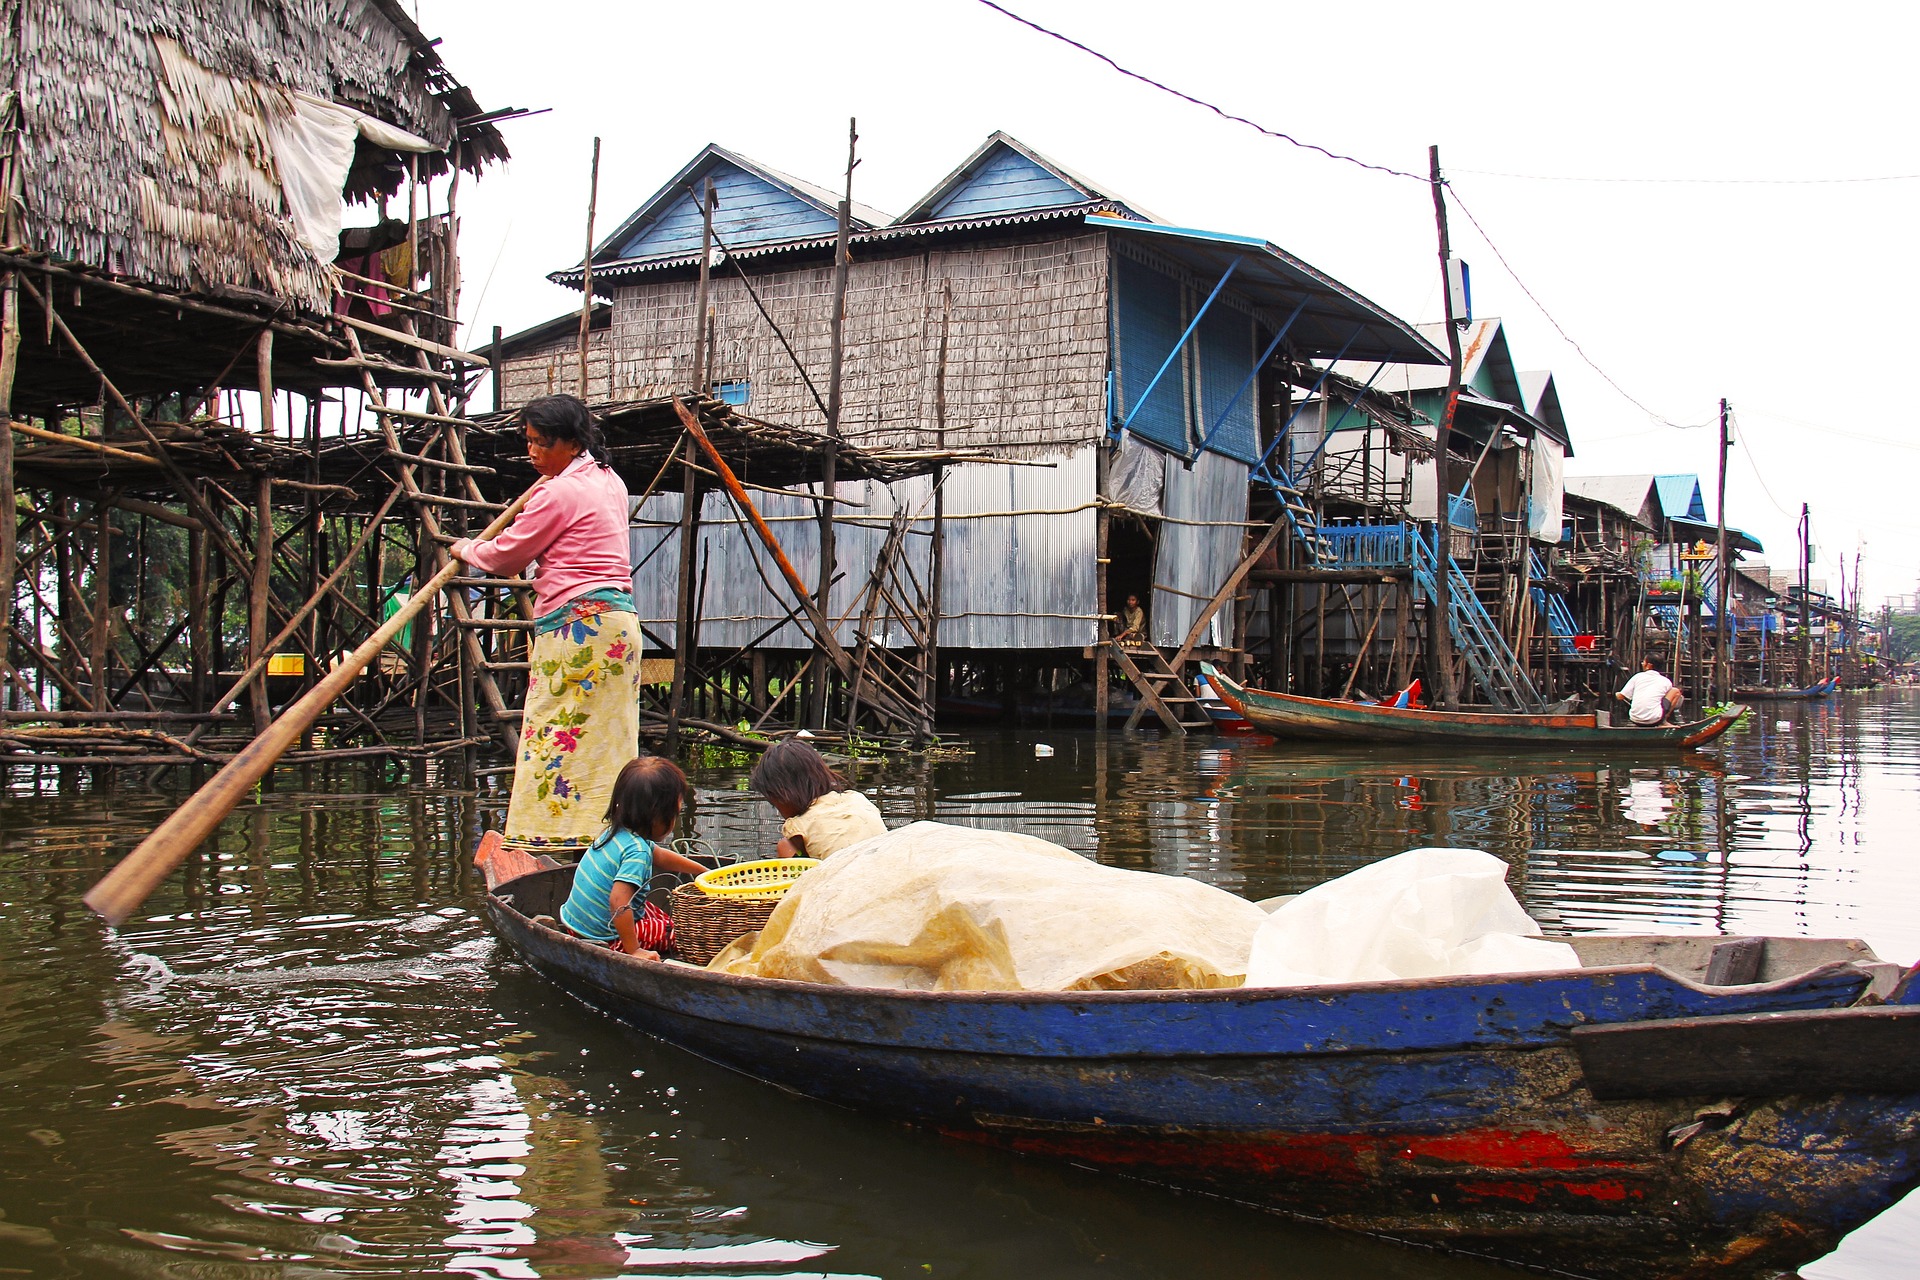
[(582, 716)]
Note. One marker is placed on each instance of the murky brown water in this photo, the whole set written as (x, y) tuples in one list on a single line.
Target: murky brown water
[(309, 1058)]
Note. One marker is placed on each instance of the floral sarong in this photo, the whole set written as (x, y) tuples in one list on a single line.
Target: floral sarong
[(580, 728)]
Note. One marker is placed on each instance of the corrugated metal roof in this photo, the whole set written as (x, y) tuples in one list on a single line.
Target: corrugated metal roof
[(610, 271), (1680, 497), (1476, 340), (1624, 493), (1273, 278)]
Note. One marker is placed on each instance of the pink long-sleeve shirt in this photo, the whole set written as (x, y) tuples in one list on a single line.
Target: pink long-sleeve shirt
[(575, 527)]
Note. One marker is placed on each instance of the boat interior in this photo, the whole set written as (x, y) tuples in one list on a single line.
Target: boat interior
[(1705, 959)]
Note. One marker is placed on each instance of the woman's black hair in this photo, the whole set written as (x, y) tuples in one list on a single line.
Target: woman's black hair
[(566, 420), (793, 775), (647, 797)]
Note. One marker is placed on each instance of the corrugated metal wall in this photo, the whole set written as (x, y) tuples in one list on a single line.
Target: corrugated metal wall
[(1022, 581), (1196, 558)]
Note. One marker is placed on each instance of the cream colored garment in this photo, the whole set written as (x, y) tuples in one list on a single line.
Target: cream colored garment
[(932, 907), (834, 821)]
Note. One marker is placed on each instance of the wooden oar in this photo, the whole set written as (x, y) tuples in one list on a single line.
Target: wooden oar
[(121, 891)]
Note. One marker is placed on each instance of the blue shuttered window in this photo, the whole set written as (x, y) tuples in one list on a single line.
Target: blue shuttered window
[(1151, 317), (1153, 310), (1225, 341)]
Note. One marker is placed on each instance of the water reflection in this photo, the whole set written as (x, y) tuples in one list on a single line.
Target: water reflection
[(309, 1057)]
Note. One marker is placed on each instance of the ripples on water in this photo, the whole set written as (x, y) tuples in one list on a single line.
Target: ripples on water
[(310, 1059)]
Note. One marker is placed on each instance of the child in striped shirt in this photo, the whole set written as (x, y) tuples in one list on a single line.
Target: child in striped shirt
[(613, 873)]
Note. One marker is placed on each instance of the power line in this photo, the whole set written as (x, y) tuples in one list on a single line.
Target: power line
[(1557, 327), (1706, 182), (1198, 102)]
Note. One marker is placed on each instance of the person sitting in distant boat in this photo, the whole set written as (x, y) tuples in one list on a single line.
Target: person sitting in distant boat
[(823, 813), (613, 873), (1133, 622), (1651, 698)]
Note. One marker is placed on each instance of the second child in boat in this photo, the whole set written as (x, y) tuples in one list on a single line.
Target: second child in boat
[(613, 873), (823, 813)]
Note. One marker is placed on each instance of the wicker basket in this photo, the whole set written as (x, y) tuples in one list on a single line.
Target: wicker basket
[(704, 924)]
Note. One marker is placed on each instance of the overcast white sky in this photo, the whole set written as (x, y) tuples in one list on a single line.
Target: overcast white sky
[(1790, 298)]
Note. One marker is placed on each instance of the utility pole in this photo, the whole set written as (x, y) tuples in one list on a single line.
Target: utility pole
[(1723, 663), (1441, 637)]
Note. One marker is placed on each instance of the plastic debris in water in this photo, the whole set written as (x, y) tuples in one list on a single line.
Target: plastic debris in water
[(1041, 750)]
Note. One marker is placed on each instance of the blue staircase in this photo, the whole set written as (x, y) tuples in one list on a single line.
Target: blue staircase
[(1498, 673), (1301, 517), (1549, 605)]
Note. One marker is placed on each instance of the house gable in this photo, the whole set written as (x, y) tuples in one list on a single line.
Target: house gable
[(754, 205), (1005, 176), (1680, 497)]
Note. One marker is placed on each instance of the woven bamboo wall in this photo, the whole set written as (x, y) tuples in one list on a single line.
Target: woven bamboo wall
[(1026, 328), (554, 366)]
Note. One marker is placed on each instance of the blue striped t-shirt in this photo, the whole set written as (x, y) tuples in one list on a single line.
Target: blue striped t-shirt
[(616, 855)]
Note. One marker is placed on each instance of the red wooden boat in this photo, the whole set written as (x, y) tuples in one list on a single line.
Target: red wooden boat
[(1286, 715)]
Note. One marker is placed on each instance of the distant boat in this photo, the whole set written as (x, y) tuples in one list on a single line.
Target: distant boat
[(1818, 689), (1287, 715), (1676, 1106), (1225, 718)]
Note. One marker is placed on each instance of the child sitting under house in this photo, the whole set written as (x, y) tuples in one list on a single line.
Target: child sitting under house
[(613, 873), (823, 813)]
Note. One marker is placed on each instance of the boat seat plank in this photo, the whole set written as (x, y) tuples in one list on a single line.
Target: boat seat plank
[(1805, 1051)]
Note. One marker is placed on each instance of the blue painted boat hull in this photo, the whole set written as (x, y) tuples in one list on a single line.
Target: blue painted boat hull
[(1451, 1112)]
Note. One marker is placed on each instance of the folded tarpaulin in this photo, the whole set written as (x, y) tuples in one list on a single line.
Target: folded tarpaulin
[(1426, 913), (932, 907)]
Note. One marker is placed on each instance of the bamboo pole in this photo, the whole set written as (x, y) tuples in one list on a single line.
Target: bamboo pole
[(586, 278), (121, 891)]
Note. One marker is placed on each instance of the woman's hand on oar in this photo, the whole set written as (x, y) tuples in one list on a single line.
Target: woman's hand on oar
[(121, 891)]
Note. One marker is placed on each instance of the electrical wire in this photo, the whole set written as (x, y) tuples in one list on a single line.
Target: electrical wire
[(1222, 112), (1706, 182), (1557, 326)]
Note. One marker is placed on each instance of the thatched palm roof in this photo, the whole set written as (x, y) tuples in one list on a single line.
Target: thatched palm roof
[(141, 131)]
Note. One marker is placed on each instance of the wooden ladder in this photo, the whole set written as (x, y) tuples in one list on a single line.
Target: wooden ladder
[(1161, 689)]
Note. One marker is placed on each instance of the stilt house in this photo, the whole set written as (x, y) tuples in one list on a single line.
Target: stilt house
[(1112, 383), (177, 178)]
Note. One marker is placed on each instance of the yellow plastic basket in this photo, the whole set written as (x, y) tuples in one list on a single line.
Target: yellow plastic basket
[(768, 879)]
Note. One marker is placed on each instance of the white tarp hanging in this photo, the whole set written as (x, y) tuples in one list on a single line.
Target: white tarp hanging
[(933, 907), (1544, 511), (1426, 913), (1135, 475), (313, 145), (215, 124)]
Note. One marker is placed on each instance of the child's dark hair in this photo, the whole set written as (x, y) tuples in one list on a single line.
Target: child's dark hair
[(647, 796), (566, 420), (793, 775)]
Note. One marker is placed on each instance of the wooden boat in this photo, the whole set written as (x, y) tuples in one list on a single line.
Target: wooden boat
[(1818, 689), (1682, 1106), (1287, 715)]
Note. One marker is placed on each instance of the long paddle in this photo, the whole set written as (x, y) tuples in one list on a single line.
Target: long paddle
[(121, 891)]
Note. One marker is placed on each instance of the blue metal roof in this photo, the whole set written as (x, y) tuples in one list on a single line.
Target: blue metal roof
[(1334, 321), (1680, 497)]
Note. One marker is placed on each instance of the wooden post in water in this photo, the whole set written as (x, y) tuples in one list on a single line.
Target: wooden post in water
[(1441, 638), (262, 543), (689, 487), (1723, 668), (836, 328)]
